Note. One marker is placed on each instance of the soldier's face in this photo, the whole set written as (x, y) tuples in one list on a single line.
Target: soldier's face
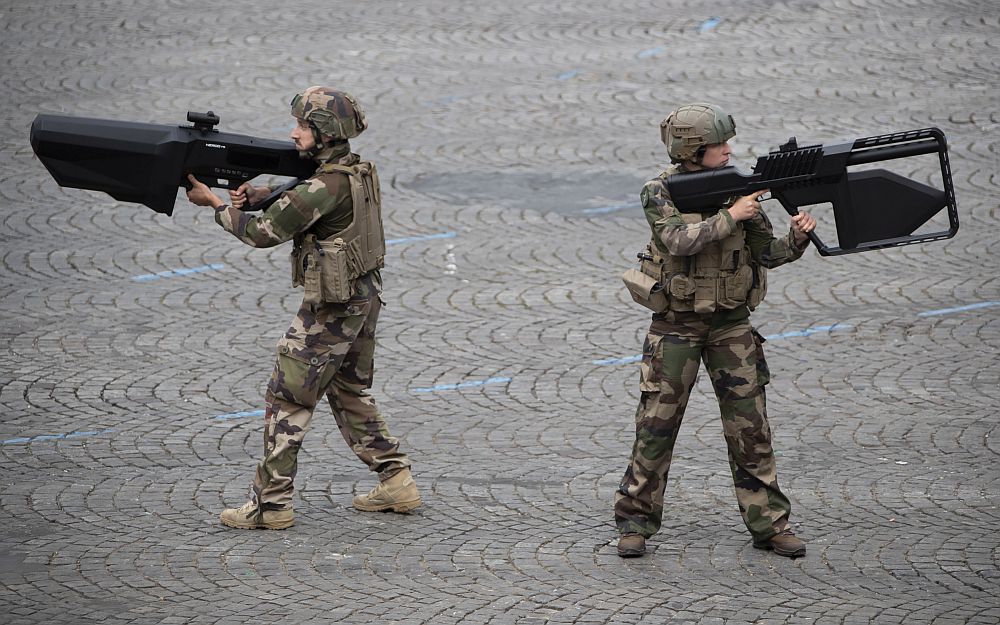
[(302, 136), (716, 155)]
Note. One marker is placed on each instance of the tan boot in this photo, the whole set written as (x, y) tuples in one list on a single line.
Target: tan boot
[(631, 545), (248, 517), (398, 493), (784, 543)]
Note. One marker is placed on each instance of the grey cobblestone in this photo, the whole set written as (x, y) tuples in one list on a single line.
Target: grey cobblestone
[(512, 139)]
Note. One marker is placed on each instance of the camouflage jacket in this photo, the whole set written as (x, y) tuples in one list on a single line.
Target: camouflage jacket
[(673, 236), (320, 205)]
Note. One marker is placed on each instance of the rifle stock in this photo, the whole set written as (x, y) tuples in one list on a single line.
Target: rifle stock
[(146, 163), (873, 209)]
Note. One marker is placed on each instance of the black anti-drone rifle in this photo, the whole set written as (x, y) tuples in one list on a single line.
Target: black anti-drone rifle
[(873, 208), (146, 163)]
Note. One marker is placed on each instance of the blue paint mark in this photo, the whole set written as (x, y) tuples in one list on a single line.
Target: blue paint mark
[(808, 331), (426, 237), (452, 387), (239, 415), (52, 437), (709, 24), (444, 101), (609, 209), (645, 54), (946, 311), (567, 75), (618, 361), (173, 273)]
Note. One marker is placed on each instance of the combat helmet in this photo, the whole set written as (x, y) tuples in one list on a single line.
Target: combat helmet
[(329, 113), (694, 126)]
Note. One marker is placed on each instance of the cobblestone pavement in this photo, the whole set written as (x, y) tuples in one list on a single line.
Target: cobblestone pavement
[(512, 139)]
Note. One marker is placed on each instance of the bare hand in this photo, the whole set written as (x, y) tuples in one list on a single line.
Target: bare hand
[(201, 195), (746, 207), (802, 225), (246, 193)]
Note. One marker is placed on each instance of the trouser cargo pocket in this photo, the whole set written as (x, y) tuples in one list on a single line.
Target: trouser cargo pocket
[(300, 374)]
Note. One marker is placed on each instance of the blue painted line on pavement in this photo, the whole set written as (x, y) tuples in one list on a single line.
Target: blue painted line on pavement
[(461, 385), (239, 415), (53, 437), (807, 331), (618, 361), (651, 52), (573, 73), (426, 237), (948, 311), (174, 273), (709, 24)]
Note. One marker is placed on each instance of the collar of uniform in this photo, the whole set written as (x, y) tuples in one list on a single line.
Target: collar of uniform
[(339, 154)]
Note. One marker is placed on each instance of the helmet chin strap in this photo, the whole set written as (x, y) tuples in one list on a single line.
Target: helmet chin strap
[(318, 144)]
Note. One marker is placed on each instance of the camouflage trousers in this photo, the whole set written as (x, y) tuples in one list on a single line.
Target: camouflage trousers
[(329, 349), (672, 354)]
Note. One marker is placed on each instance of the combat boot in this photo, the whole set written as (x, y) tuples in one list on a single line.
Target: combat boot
[(631, 545), (784, 543), (248, 517), (398, 493)]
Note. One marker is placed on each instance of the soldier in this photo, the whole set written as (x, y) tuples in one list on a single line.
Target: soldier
[(712, 269), (334, 220)]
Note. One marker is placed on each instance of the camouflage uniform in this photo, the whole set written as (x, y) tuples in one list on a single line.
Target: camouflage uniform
[(328, 349), (678, 340)]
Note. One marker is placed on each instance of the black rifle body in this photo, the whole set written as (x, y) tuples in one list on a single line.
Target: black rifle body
[(872, 208), (146, 163)]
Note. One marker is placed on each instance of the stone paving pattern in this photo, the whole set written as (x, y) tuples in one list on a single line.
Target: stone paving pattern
[(512, 139)]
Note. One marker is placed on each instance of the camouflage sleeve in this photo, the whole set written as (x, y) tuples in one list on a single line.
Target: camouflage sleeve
[(767, 250), (294, 212), (669, 228)]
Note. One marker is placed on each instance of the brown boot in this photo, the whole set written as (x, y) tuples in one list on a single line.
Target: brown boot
[(784, 543), (248, 517), (631, 545), (398, 493)]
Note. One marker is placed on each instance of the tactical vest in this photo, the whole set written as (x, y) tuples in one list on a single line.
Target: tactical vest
[(721, 276), (326, 268)]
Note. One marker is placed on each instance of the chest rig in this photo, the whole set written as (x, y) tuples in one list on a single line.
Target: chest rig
[(721, 276), (326, 268)]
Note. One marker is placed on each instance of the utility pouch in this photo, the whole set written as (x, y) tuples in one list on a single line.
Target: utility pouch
[(706, 294), (733, 288), (681, 287), (335, 275), (311, 277), (645, 290)]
